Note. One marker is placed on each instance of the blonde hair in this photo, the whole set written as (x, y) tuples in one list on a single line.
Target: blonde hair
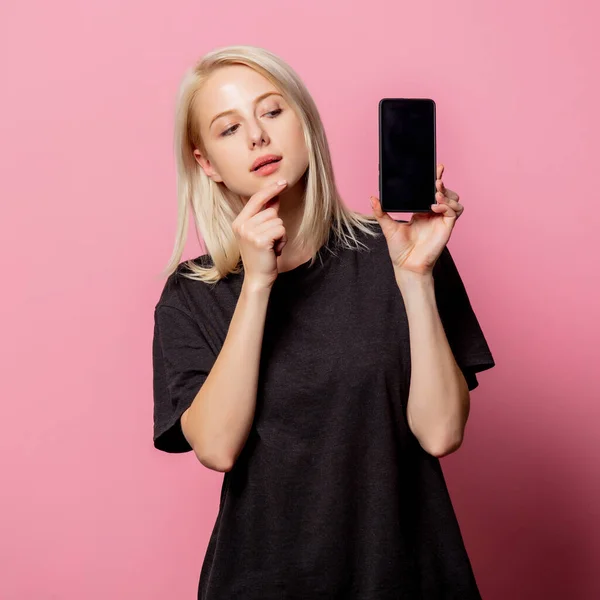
[(214, 207)]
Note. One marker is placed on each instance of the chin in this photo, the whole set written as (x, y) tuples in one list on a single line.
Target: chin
[(294, 178)]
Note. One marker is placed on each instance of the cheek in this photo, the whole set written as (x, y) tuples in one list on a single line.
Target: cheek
[(234, 171), (297, 144), (230, 163)]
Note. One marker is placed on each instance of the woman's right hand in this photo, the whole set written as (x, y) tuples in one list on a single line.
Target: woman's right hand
[(261, 235)]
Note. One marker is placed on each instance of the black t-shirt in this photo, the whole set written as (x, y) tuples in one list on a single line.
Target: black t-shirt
[(332, 496)]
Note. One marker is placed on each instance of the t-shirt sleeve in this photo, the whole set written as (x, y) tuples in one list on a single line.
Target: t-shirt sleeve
[(181, 360), (462, 328)]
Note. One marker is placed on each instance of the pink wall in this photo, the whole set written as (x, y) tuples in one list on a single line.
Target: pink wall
[(89, 510)]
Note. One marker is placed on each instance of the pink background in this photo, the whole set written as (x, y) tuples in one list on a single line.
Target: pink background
[(89, 510)]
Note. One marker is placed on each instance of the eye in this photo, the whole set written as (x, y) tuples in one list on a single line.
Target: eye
[(231, 130)]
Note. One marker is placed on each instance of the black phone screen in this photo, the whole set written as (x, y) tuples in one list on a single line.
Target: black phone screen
[(407, 154)]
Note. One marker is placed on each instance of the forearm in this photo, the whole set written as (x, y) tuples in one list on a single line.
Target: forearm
[(219, 419), (438, 402)]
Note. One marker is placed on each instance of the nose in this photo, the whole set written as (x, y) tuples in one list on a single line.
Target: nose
[(258, 136)]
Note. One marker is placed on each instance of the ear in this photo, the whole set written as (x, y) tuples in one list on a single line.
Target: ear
[(207, 167)]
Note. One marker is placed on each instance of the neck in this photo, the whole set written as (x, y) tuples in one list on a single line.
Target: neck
[(291, 210)]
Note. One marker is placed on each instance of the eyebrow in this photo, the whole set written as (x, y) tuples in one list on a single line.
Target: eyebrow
[(256, 101)]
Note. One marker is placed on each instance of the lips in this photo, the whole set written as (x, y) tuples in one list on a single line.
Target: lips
[(264, 160)]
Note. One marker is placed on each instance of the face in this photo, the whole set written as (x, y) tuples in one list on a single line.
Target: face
[(257, 122)]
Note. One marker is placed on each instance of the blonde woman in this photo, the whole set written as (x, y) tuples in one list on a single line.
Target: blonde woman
[(320, 358)]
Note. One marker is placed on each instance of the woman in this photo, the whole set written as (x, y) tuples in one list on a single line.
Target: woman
[(283, 356)]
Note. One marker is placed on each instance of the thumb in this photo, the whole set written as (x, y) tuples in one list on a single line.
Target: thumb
[(386, 222)]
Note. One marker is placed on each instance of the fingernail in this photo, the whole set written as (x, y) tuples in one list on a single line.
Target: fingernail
[(281, 182)]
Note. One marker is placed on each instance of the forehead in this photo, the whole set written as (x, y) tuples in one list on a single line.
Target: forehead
[(231, 87)]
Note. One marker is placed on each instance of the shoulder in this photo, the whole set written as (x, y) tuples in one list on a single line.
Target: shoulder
[(179, 285)]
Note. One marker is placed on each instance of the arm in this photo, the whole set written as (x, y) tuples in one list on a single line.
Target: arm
[(439, 399), (218, 421)]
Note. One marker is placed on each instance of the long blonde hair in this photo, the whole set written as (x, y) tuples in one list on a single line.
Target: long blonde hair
[(214, 207)]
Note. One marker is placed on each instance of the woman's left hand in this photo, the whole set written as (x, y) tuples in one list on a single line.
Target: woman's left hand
[(416, 246)]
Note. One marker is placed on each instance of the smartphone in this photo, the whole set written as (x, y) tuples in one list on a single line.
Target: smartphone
[(407, 154)]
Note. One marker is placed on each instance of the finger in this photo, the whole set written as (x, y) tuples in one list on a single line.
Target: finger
[(439, 184), (279, 244), (274, 232), (258, 200), (441, 198), (440, 170), (444, 209), (267, 214), (262, 227), (453, 204)]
